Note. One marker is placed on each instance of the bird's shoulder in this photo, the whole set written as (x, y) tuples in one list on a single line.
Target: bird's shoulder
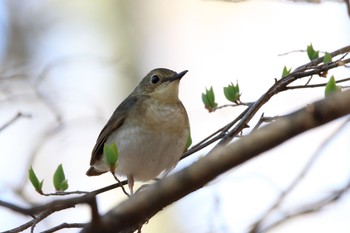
[(116, 120)]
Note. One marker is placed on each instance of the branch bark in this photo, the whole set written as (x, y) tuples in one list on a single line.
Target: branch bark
[(132, 213)]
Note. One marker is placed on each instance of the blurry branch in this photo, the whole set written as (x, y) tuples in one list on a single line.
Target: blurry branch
[(64, 226), (347, 2), (283, 195), (60, 122), (64, 193), (14, 119), (44, 210), (315, 67), (139, 208), (312, 207), (297, 51)]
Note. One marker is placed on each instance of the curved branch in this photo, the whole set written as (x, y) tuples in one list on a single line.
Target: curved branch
[(282, 196), (306, 70)]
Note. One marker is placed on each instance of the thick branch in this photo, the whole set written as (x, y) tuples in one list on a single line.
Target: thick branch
[(132, 213)]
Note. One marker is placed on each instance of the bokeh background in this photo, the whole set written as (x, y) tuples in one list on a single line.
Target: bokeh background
[(68, 64)]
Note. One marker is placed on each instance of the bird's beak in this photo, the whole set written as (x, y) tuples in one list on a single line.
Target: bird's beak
[(176, 76)]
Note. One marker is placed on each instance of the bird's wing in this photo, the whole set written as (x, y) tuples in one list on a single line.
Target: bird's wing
[(114, 123)]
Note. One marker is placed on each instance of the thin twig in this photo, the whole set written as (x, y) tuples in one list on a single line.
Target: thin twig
[(264, 119), (58, 203), (64, 193), (65, 226), (31, 224), (309, 69), (315, 85), (279, 86), (220, 133), (13, 119), (232, 105), (297, 51), (257, 225), (312, 207), (121, 186), (16, 208)]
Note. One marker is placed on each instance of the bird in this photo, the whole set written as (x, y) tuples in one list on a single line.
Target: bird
[(150, 129)]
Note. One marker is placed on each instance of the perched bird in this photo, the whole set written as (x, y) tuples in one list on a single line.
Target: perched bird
[(150, 129)]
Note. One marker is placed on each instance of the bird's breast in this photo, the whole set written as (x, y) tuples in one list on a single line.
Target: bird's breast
[(151, 140)]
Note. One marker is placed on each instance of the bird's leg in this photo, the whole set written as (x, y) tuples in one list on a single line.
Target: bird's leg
[(131, 184)]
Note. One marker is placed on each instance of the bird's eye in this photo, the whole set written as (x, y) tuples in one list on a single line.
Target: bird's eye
[(155, 79)]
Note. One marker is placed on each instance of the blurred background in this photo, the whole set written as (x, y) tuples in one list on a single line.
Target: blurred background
[(68, 64)]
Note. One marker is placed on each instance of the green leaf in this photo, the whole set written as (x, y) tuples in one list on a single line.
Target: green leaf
[(231, 92), (35, 181), (59, 179), (110, 152), (286, 71), (331, 87), (327, 58), (64, 185), (312, 54), (208, 99), (189, 141)]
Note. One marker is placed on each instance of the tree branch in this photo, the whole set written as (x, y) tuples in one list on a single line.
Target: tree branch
[(58, 205), (63, 226), (315, 85), (309, 69), (15, 118), (139, 208), (312, 207), (241, 122), (257, 225)]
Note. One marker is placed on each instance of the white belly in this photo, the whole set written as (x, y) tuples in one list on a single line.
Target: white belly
[(144, 154)]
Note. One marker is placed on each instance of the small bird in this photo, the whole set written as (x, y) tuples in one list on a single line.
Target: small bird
[(150, 129)]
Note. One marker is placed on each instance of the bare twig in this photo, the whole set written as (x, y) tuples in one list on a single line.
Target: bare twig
[(309, 69), (220, 133), (306, 70), (264, 119), (122, 187), (315, 85), (65, 226), (58, 203), (312, 207), (16, 208), (257, 225), (13, 119), (65, 193), (232, 105), (53, 207)]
